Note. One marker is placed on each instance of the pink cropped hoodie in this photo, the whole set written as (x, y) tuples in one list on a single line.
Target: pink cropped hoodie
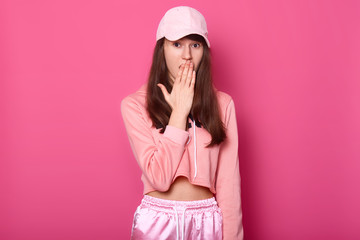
[(176, 152)]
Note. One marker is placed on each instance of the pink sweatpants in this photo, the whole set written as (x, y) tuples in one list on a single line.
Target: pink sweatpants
[(160, 219)]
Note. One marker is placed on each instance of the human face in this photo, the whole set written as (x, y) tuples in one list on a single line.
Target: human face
[(177, 52)]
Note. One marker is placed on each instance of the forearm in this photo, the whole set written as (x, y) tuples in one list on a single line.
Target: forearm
[(158, 159)]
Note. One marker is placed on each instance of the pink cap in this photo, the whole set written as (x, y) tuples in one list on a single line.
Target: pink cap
[(181, 21)]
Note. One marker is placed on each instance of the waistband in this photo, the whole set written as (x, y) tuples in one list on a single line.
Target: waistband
[(168, 206)]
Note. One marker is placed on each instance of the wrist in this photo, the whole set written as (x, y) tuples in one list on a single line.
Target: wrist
[(178, 119), (180, 113)]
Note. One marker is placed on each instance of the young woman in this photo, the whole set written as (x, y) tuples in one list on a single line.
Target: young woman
[(183, 134)]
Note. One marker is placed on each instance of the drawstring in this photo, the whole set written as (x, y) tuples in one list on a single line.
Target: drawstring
[(183, 225), (177, 224), (194, 127)]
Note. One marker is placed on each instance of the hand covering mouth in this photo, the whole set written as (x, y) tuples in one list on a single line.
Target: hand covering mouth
[(184, 63)]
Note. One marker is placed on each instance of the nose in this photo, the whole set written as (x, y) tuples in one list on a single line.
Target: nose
[(186, 54)]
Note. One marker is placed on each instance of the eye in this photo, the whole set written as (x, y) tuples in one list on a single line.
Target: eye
[(176, 44), (196, 45)]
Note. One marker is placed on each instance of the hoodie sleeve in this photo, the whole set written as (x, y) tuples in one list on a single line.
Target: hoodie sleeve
[(228, 179), (160, 159)]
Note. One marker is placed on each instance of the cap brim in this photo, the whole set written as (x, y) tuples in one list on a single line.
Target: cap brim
[(178, 35)]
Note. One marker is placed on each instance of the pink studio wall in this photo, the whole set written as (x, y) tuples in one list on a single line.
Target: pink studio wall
[(292, 67)]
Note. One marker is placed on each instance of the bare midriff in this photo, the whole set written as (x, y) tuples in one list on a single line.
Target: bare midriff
[(182, 190)]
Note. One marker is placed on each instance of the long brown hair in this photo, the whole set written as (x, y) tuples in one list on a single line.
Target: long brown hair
[(205, 107)]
